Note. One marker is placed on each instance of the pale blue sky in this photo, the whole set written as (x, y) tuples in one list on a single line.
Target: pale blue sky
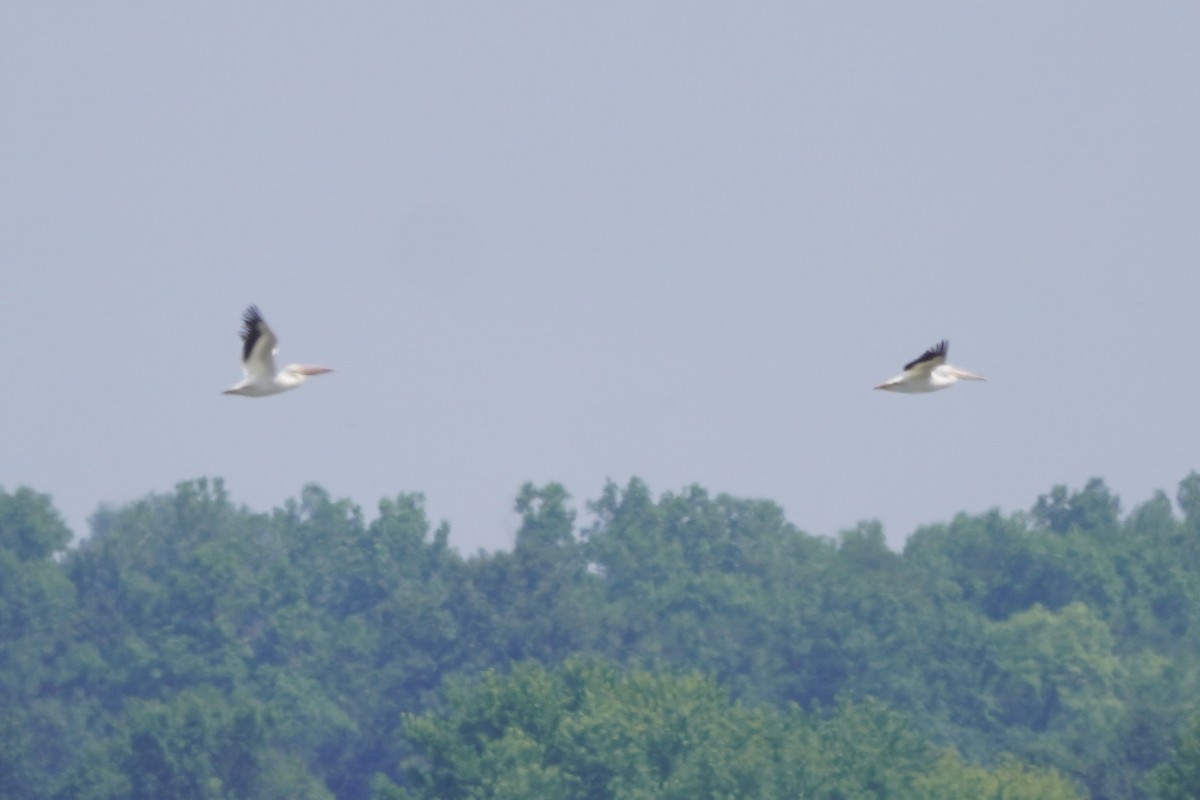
[(544, 241)]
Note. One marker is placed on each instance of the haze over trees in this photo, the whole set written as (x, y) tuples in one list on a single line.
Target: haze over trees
[(680, 646)]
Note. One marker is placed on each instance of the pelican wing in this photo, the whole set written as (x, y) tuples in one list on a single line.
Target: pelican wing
[(258, 346), (929, 360)]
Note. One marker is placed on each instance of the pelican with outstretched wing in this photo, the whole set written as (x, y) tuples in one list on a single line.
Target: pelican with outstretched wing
[(258, 361), (929, 373)]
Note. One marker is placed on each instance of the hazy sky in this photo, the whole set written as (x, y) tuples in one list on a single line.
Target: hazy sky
[(576, 242)]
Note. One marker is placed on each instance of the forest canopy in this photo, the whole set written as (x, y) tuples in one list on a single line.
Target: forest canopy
[(679, 646)]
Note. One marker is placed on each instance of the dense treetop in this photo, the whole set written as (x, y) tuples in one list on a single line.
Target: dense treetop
[(679, 646)]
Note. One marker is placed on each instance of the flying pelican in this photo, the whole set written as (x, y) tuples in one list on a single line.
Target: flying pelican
[(258, 361), (929, 373)]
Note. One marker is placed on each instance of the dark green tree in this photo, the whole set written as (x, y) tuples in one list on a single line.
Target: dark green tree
[(1093, 509)]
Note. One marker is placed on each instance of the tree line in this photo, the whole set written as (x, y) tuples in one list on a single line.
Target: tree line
[(679, 646)]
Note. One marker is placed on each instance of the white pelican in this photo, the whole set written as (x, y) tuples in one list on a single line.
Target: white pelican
[(929, 373), (258, 361)]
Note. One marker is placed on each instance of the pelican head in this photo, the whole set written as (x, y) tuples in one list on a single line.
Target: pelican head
[(963, 374), (302, 371)]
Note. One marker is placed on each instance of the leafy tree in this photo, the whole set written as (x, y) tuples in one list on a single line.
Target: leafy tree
[(1188, 497), (590, 730), (1178, 778), (190, 647), (697, 580), (37, 607), (537, 601), (1094, 508), (1055, 674), (952, 779), (30, 529)]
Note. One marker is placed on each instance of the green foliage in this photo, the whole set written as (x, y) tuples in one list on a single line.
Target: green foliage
[(1188, 497), (1054, 666), (1178, 778), (30, 528), (590, 730), (538, 600), (951, 779), (700, 580), (1095, 509), (327, 626), (685, 645)]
